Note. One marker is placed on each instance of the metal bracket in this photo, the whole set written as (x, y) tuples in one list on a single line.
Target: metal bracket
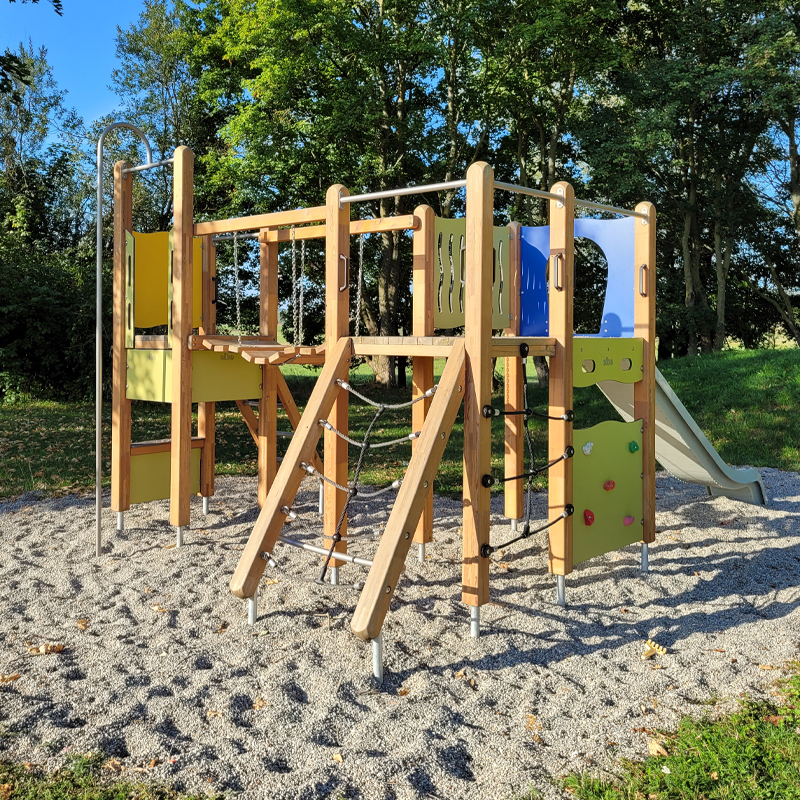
[(560, 191)]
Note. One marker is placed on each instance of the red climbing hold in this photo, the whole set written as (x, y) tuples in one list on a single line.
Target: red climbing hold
[(588, 517), (609, 485), (628, 521)]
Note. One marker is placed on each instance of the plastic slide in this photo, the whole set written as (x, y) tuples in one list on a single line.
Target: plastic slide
[(683, 449)]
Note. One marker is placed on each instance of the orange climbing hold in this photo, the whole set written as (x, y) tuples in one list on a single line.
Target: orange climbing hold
[(588, 517), (628, 521), (609, 485)]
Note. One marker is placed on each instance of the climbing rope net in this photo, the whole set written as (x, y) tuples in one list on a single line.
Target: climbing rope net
[(488, 480)]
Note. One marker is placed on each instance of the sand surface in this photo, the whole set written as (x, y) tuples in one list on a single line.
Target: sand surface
[(159, 663)]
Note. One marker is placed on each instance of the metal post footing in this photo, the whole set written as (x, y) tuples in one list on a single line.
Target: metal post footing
[(321, 498), (514, 525), (120, 520), (252, 608), (645, 558), (334, 576), (474, 621), (205, 506), (377, 657), (561, 590), (421, 552), (179, 536)]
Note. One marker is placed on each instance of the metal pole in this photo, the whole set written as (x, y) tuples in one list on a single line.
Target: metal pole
[(151, 165), (645, 558), (421, 552), (334, 576), (561, 590), (205, 506), (474, 621), (514, 525), (611, 209), (406, 190), (179, 536), (321, 551), (377, 657), (252, 608), (513, 187), (98, 385), (120, 521), (321, 498)]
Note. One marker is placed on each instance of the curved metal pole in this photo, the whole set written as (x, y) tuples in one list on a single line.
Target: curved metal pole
[(98, 388)]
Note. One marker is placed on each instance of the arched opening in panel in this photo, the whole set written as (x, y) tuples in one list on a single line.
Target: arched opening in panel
[(591, 280)]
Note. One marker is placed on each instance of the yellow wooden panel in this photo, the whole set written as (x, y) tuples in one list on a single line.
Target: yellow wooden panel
[(150, 476), (610, 451), (596, 358), (215, 376), (152, 277), (450, 238)]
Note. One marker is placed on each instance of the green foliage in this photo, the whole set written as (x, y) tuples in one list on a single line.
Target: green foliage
[(752, 754)]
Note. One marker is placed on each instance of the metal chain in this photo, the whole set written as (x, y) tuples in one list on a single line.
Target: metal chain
[(295, 306), (302, 287), (358, 291), (237, 286)]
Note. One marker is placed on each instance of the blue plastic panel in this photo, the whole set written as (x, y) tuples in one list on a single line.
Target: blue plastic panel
[(615, 237)]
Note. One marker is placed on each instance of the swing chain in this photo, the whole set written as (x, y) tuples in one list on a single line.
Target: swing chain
[(295, 306), (237, 286), (358, 291), (302, 288)]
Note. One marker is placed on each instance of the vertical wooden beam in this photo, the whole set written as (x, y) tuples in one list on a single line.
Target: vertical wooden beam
[(477, 381), (337, 325), (514, 429), (644, 392), (424, 248), (206, 412), (561, 270), (120, 405), (182, 255), (268, 403)]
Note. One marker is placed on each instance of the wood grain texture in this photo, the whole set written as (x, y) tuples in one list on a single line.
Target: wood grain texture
[(373, 604), (644, 392), (513, 425), (268, 404), (422, 325), (120, 405), (562, 243), (337, 325), (301, 448), (299, 216), (292, 413), (357, 226), (477, 381), (206, 412), (182, 278)]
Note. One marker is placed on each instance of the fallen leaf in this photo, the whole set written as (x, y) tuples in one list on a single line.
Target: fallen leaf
[(714, 776), (655, 748), (625, 611), (766, 666), (113, 765), (774, 720), (154, 763), (472, 683), (45, 649), (223, 627), (697, 573), (5, 790), (270, 581), (532, 724), (147, 590), (644, 710), (83, 624), (460, 674), (168, 546), (211, 713), (338, 758), (28, 765), (157, 607), (258, 704), (10, 678), (402, 692)]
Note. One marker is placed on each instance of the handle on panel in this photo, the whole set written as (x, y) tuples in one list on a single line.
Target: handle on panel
[(557, 272), (642, 284), (344, 281), (216, 290)]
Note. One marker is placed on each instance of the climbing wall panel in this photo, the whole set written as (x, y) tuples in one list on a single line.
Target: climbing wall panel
[(597, 359), (607, 474)]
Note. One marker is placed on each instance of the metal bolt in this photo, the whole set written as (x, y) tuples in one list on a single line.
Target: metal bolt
[(442, 435), (459, 388), (424, 484), (408, 535), (388, 590)]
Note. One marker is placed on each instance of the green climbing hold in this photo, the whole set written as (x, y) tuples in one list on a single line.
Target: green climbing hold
[(633, 447)]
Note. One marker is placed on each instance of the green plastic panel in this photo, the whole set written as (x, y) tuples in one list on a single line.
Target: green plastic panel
[(215, 376), (602, 454), (450, 280), (150, 476), (598, 359)]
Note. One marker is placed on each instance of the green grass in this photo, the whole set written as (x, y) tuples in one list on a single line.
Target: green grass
[(744, 400), (82, 778), (752, 754)]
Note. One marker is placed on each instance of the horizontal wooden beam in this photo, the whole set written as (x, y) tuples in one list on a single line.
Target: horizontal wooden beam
[(298, 216), (439, 346), (406, 222), (149, 342), (508, 346), (226, 344), (161, 446)]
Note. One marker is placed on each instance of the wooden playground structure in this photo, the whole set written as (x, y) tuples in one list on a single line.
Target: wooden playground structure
[(466, 272)]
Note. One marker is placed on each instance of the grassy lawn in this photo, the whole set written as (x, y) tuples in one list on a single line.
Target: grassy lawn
[(743, 400), (753, 754)]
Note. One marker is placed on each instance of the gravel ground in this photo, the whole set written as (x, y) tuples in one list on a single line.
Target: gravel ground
[(158, 662)]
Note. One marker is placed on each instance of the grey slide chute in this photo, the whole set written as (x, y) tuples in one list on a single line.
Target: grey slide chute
[(683, 449)]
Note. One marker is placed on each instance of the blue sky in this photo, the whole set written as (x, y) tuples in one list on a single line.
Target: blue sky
[(80, 45)]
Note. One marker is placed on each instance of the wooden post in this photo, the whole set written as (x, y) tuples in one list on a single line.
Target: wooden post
[(644, 392), (206, 412), (561, 282), (477, 381), (120, 405), (337, 325), (268, 403), (514, 429), (182, 254), (422, 325)]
